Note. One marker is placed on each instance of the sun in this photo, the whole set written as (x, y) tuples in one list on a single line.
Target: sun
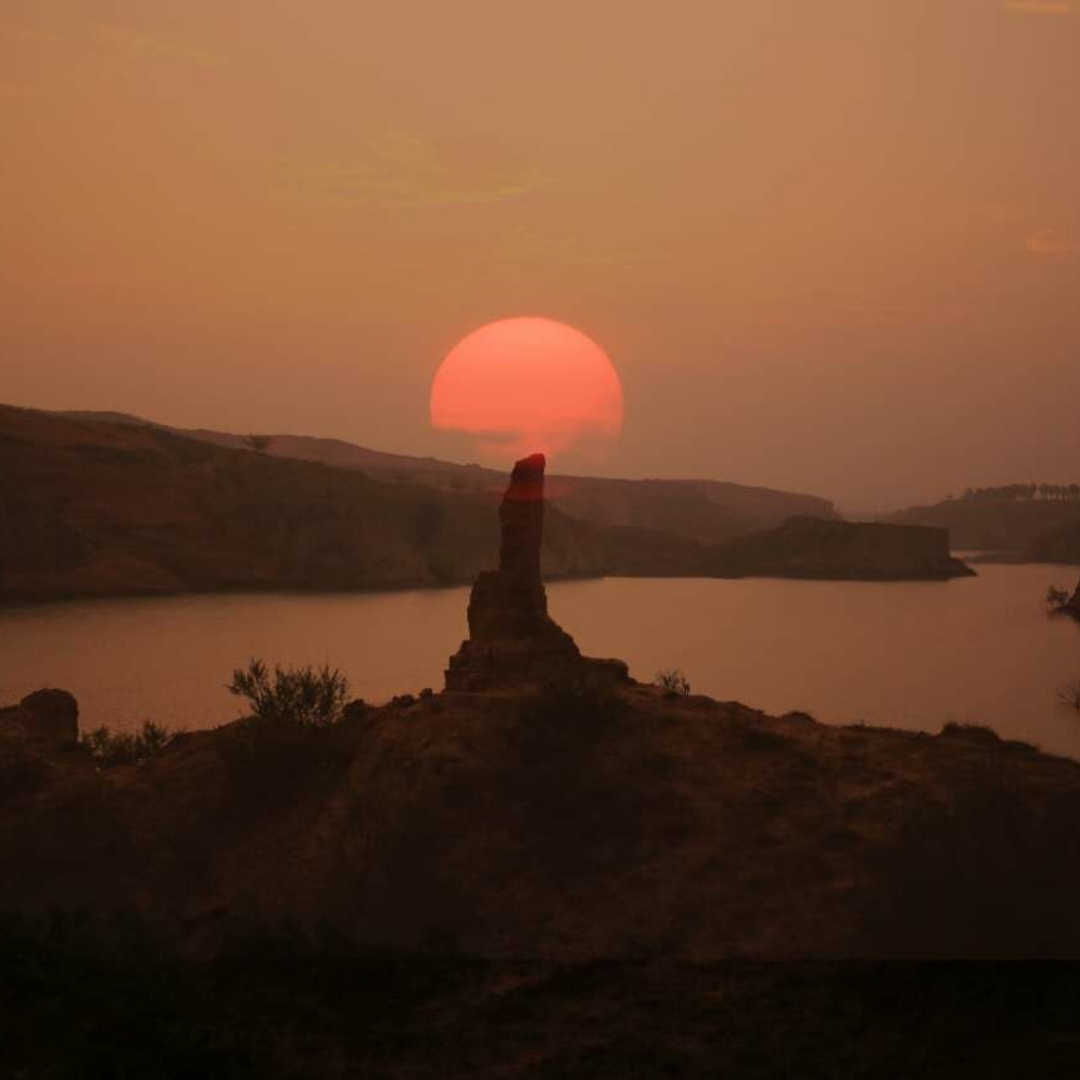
[(528, 384)]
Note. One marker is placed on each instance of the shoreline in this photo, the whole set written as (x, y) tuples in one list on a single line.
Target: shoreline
[(25, 599)]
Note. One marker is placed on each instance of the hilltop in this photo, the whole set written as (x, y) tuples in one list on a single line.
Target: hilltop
[(631, 825)]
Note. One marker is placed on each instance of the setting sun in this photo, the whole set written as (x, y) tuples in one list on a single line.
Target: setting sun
[(528, 384)]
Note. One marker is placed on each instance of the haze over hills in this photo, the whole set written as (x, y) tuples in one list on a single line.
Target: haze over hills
[(92, 507), (706, 511), (101, 508), (1016, 522)]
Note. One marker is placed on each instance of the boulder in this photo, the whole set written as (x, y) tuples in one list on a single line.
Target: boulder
[(49, 715)]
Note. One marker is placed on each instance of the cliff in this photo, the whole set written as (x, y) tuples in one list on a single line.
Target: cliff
[(812, 548)]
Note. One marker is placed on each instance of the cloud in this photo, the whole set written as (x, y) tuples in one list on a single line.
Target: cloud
[(405, 171), (1040, 7), (1048, 242), (129, 40)]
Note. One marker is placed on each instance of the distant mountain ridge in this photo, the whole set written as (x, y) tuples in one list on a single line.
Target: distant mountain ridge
[(1009, 529), (706, 511), (106, 507), (100, 508), (1060, 544)]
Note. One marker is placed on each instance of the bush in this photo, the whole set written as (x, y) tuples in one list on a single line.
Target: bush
[(1069, 695), (673, 681), (1056, 598), (306, 696), (290, 742), (127, 748)]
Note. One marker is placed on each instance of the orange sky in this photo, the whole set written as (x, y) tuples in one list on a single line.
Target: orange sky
[(830, 245)]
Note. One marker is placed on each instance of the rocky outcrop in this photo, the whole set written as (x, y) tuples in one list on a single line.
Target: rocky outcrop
[(47, 716), (805, 547), (511, 634)]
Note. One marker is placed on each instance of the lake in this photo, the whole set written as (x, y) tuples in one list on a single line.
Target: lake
[(911, 655)]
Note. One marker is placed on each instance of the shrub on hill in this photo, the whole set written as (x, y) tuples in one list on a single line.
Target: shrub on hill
[(290, 742), (127, 748), (1056, 597), (673, 681), (306, 696)]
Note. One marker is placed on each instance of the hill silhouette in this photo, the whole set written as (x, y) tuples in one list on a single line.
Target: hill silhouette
[(706, 511), (101, 508), (1015, 529), (107, 507), (1059, 544)]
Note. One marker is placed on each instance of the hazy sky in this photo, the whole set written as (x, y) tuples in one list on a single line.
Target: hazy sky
[(830, 245)]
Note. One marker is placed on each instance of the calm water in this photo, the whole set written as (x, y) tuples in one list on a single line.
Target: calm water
[(907, 655)]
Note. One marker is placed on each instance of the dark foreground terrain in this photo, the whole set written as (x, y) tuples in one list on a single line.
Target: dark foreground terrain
[(567, 823), (66, 1017), (563, 880)]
